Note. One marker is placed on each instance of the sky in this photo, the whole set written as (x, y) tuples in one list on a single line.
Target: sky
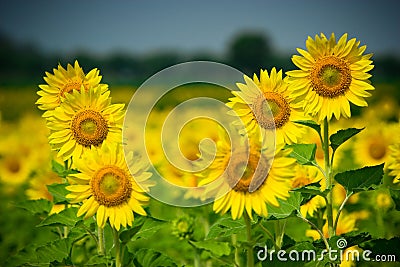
[(101, 26)]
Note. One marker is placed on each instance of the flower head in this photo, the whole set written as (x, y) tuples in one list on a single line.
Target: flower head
[(107, 188), (65, 81), (331, 75), (266, 102), (84, 120)]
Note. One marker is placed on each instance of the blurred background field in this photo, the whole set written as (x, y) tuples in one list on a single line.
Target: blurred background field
[(25, 155)]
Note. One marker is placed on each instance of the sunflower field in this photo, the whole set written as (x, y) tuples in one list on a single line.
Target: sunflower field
[(305, 173)]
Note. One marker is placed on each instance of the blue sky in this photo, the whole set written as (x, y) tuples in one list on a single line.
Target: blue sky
[(193, 26)]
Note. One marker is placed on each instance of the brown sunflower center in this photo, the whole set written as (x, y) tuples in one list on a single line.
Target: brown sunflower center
[(330, 76), (254, 171), (377, 150), (271, 103), (89, 128), (13, 164), (111, 186), (72, 84)]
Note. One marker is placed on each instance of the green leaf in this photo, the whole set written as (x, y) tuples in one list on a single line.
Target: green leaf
[(66, 217), (303, 153), (53, 251), (60, 169), (311, 124), (396, 198), (38, 206), (361, 179), (225, 227), (309, 191), (342, 136), (126, 235), (58, 192), (149, 228), (151, 258), (97, 260), (217, 248), (286, 207)]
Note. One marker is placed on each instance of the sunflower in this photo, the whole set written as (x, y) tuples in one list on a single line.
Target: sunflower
[(393, 163), (252, 104), (84, 120), (106, 187), (247, 178), (305, 175), (372, 145), (65, 81), (331, 75)]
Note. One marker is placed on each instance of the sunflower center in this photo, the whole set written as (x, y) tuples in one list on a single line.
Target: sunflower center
[(111, 186), (89, 128), (72, 84), (253, 169), (13, 165), (377, 151), (271, 103), (330, 76)]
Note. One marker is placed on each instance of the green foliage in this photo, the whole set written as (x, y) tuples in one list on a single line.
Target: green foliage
[(396, 198), (66, 217), (286, 207), (303, 153), (40, 206), (217, 248), (58, 191), (342, 136), (383, 246), (225, 227), (363, 179), (311, 124), (151, 258), (60, 170)]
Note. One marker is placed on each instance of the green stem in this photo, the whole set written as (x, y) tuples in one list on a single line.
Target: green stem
[(117, 246), (101, 248), (340, 210), (318, 230), (250, 259), (279, 232), (197, 262), (237, 253), (265, 230), (329, 204)]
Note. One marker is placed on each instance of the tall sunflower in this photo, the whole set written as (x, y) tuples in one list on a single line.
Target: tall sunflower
[(107, 188), (247, 178), (331, 75), (84, 120), (252, 105), (63, 82)]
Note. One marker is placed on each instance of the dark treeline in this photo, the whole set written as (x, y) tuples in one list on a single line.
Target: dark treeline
[(24, 64)]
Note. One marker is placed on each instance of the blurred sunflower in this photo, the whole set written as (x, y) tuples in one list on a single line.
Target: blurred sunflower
[(252, 104), (393, 163), (371, 146), (106, 187), (65, 81), (346, 224), (265, 177), (84, 120), (305, 175), (331, 75)]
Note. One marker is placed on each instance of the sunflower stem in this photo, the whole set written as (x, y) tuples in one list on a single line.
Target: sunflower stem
[(340, 210), (316, 228), (250, 259), (117, 247), (237, 254), (101, 248), (328, 178), (279, 232)]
